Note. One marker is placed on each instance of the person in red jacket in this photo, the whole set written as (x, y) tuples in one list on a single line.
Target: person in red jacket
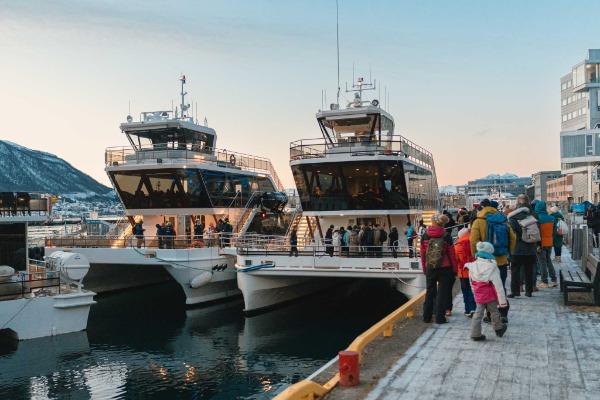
[(462, 248), (439, 265)]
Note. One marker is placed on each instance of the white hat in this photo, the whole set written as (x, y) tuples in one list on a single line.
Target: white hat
[(463, 232), (485, 247), (554, 209)]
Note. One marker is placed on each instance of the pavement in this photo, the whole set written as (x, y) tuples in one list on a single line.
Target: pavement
[(549, 352)]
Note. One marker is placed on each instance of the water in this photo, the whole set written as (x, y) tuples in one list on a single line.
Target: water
[(144, 344)]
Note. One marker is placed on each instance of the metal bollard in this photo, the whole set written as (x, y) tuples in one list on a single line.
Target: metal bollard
[(349, 369)]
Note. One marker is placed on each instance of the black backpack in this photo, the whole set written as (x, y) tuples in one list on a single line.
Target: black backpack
[(435, 252), (383, 236)]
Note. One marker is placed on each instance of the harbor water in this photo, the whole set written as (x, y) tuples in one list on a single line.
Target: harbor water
[(144, 344)]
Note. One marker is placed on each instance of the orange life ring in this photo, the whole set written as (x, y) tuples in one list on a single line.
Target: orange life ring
[(197, 245)]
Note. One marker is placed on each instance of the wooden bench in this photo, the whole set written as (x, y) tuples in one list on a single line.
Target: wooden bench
[(573, 281)]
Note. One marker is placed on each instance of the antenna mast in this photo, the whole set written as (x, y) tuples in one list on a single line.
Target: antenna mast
[(337, 29), (184, 107)]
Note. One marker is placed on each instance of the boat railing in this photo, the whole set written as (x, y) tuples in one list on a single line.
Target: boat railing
[(168, 152), (24, 203), (255, 244), (39, 281), (390, 146), (148, 242)]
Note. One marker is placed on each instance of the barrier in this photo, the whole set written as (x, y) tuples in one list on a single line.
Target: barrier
[(309, 390)]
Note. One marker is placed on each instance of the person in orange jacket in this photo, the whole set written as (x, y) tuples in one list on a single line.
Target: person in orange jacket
[(462, 248)]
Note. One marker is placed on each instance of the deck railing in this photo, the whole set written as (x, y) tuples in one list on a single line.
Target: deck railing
[(38, 281), (391, 146), (220, 157)]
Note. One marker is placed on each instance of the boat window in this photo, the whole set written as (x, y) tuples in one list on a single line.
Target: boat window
[(358, 127)]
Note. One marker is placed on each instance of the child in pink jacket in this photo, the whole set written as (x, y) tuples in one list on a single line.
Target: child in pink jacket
[(488, 290)]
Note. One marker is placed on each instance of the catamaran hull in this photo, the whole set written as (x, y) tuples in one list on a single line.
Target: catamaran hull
[(31, 318), (124, 268)]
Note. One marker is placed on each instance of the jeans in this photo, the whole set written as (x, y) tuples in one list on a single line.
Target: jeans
[(492, 308), (557, 251), (439, 287), (546, 264), (525, 264), (468, 298)]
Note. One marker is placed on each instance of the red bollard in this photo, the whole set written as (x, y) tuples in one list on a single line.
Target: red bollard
[(348, 362)]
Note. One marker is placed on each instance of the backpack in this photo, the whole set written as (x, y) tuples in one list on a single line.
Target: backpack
[(531, 231), (168, 231), (497, 233), (435, 252), (561, 227), (383, 236)]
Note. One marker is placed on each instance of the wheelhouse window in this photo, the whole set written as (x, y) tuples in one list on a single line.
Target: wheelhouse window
[(186, 188), (357, 128), (172, 139)]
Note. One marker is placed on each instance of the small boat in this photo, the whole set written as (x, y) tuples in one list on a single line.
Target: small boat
[(39, 298)]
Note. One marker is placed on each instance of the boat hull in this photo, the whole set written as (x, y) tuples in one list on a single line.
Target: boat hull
[(30, 318)]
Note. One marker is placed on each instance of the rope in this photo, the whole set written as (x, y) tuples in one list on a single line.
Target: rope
[(408, 284), (17, 313)]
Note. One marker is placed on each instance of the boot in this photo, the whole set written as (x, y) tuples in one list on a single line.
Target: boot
[(557, 259)]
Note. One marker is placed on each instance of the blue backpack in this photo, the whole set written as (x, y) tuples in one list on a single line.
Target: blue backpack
[(497, 233)]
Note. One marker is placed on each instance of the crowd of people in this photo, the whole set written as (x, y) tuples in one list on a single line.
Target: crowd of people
[(490, 242), (219, 235)]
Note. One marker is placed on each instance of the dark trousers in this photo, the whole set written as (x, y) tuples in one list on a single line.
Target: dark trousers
[(557, 251), (410, 247), (439, 287), (526, 264), (294, 250)]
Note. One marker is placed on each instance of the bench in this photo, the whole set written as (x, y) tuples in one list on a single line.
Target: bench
[(572, 281)]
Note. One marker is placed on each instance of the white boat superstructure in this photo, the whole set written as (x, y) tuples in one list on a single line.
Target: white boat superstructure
[(37, 298), (191, 198), (358, 174)]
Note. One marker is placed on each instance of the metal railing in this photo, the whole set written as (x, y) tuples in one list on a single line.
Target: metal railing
[(393, 146), (219, 157), (39, 281), (148, 242)]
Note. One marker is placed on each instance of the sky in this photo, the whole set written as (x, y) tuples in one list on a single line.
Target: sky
[(477, 83)]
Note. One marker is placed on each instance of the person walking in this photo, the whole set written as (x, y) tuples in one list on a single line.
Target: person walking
[(438, 261), (524, 253), (559, 232), (487, 290), (293, 243), (227, 232), (502, 237), (462, 248), (393, 242), (410, 238), (170, 234), (139, 233), (592, 217), (544, 250), (159, 235)]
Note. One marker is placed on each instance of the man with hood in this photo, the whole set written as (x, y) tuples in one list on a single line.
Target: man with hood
[(557, 239), (479, 233), (524, 253), (547, 228)]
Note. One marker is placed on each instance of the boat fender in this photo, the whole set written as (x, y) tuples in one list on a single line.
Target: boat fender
[(197, 245), (232, 159), (201, 280)]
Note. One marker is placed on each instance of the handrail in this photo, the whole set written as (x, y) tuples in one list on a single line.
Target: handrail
[(307, 389), (238, 193)]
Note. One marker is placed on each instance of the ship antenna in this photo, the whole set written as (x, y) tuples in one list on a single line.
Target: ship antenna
[(184, 107), (337, 29)]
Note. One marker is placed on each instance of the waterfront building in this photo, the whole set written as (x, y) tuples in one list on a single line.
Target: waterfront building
[(540, 180), (495, 183), (580, 126), (560, 190)]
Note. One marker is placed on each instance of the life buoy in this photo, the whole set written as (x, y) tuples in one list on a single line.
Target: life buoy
[(197, 245), (232, 159)]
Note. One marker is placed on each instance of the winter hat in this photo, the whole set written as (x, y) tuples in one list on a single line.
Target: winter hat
[(485, 247), (485, 203), (463, 232), (438, 219), (554, 209), (494, 204)]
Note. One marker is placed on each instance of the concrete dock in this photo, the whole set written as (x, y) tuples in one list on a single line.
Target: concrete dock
[(549, 352)]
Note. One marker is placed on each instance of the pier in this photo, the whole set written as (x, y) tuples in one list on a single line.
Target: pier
[(550, 351)]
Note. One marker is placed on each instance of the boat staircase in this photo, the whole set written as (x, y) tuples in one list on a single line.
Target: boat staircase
[(305, 227), (251, 208)]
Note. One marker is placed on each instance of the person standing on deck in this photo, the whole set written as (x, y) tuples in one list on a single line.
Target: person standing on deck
[(138, 231), (329, 241), (393, 242), (410, 238), (159, 235), (293, 243), (199, 230)]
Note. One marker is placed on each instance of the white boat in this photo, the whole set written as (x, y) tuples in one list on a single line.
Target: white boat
[(173, 173), (358, 173), (36, 298)]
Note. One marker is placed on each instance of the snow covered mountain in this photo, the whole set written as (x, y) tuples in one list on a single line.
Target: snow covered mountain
[(27, 170)]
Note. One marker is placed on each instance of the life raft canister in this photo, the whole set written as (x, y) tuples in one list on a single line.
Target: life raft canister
[(197, 245)]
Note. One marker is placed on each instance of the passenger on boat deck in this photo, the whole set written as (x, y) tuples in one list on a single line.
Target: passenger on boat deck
[(138, 231), (159, 235)]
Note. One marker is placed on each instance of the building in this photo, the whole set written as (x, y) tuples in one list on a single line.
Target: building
[(580, 126), (540, 179), (560, 191), (494, 183)]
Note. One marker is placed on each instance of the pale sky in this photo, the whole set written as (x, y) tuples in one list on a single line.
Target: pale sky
[(477, 83)]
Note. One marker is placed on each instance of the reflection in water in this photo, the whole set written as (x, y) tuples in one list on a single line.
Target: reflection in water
[(144, 344)]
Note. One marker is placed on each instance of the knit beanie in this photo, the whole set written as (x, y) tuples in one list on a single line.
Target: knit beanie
[(485, 247), (494, 204), (485, 203)]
